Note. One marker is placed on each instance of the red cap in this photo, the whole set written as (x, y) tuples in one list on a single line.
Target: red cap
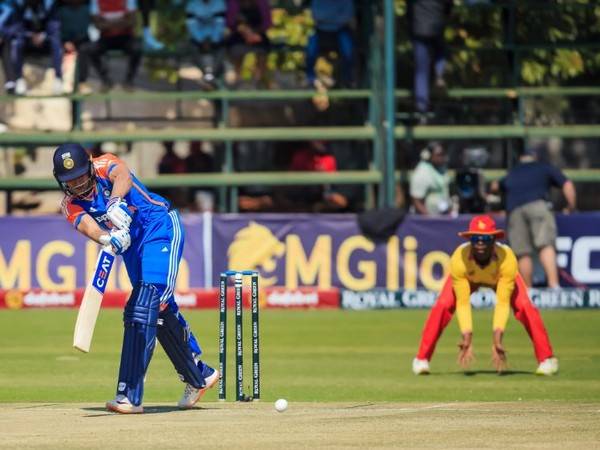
[(482, 225)]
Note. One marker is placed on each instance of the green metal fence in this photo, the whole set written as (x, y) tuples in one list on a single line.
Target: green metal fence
[(380, 128)]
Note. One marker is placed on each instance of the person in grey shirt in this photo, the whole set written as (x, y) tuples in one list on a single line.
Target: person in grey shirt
[(531, 224), (430, 183)]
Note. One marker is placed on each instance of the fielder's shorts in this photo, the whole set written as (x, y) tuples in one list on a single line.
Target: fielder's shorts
[(531, 227)]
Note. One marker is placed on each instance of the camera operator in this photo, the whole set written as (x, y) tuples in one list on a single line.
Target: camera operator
[(470, 181)]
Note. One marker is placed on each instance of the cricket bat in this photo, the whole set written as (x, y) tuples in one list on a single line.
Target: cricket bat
[(91, 301)]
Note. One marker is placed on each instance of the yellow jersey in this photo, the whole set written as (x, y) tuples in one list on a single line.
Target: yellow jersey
[(467, 276)]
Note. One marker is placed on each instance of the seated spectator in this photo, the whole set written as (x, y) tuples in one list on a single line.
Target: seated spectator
[(206, 26), (35, 28), (6, 15), (430, 183), (74, 17), (314, 156), (248, 21), (171, 163), (150, 42), (116, 21), (199, 161), (332, 25)]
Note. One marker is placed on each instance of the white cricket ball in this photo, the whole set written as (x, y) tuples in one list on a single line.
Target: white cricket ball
[(281, 405)]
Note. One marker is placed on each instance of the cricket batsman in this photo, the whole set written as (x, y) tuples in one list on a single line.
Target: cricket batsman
[(106, 203), (482, 261)]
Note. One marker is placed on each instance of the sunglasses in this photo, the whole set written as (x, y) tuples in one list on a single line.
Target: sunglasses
[(485, 238)]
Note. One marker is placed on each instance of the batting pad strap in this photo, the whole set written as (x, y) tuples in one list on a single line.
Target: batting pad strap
[(140, 318), (143, 305), (173, 337)]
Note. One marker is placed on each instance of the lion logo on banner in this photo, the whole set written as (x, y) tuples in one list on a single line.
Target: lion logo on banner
[(255, 246)]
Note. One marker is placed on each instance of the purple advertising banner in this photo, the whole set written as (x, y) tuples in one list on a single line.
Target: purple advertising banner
[(329, 250), (289, 250), (46, 252)]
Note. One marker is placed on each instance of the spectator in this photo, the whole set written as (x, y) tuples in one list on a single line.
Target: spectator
[(116, 21), (470, 181), (171, 163), (35, 28), (150, 42), (74, 17), (313, 156), (199, 161), (332, 25), (248, 21), (427, 20), (206, 27), (6, 16), (531, 224), (430, 183)]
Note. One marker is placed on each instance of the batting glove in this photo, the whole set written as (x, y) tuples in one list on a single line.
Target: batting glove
[(118, 213), (119, 240)]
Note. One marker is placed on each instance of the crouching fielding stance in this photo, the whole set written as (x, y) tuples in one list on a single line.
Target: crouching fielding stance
[(484, 262), (105, 202)]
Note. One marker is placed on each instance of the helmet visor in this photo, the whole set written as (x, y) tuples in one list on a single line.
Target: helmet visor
[(81, 187)]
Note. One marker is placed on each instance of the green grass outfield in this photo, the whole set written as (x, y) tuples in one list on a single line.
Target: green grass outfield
[(307, 356)]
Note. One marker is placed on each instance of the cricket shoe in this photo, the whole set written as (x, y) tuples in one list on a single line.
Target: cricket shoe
[(420, 366), (547, 367), (192, 395), (122, 405)]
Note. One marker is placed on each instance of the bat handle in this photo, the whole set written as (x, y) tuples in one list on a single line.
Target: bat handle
[(108, 249)]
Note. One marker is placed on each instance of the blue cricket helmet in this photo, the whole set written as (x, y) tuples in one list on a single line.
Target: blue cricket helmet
[(71, 161)]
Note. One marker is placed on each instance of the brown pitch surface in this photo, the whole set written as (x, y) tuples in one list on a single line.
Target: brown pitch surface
[(305, 425)]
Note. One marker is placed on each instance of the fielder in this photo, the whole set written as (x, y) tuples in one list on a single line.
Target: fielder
[(484, 262), (106, 203)]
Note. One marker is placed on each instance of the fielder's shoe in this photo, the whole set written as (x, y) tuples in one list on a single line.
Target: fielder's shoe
[(547, 367), (420, 366), (191, 395), (121, 404)]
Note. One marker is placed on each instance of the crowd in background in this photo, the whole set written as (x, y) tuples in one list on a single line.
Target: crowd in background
[(93, 27)]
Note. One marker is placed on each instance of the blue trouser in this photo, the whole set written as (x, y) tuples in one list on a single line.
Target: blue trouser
[(20, 38), (426, 51), (345, 48), (152, 264), (148, 262)]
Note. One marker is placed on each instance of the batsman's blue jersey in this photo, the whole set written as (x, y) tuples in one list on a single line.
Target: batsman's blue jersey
[(156, 232)]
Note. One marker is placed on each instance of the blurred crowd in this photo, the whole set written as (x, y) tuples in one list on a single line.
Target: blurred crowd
[(217, 30)]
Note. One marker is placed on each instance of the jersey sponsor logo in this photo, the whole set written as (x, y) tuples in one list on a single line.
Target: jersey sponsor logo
[(103, 271)]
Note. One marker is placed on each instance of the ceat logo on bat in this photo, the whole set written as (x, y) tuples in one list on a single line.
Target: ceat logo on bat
[(105, 263)]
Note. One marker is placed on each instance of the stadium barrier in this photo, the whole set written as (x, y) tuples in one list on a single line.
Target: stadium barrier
[(304, 297)]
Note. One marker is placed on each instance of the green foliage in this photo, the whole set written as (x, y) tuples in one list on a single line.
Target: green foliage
[(551, 41)]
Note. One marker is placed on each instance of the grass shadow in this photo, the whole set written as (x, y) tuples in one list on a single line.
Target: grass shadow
[(506, 373)]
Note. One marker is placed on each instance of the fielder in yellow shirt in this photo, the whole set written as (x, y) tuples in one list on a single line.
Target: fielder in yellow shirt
[(483, 262)]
